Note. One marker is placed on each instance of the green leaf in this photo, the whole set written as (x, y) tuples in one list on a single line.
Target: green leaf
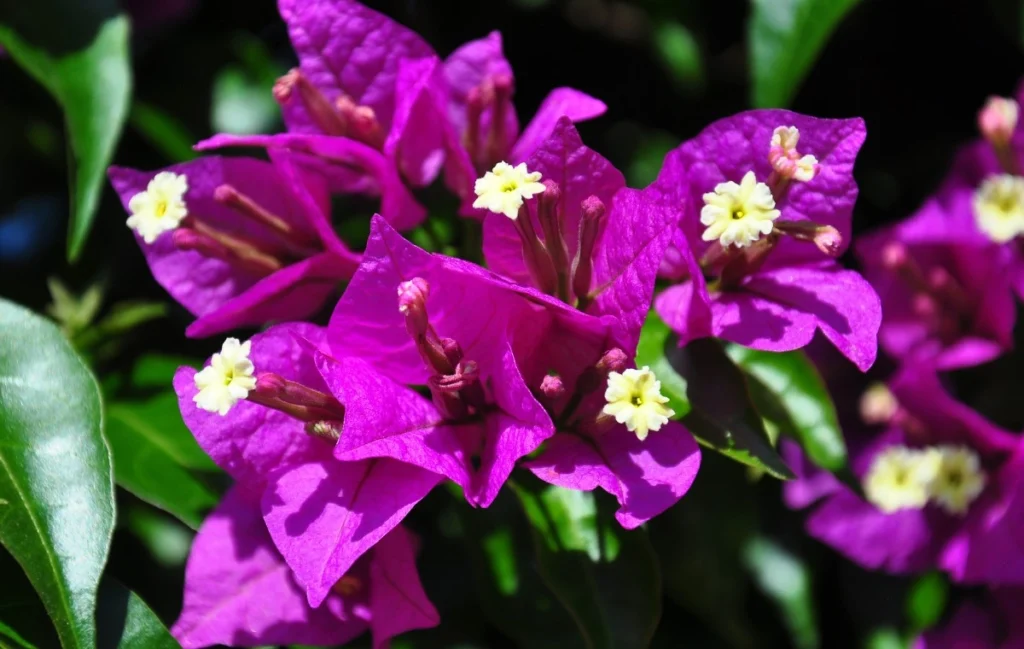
[(92, 85), (785, 38), (166, 134), (56, 484), (155, 457), (607, 577), (719, 411), (786, 580), (126, 622), (508, 584), (926, 601), (799, 405), (680, 53), (157, 370), (886, 639), (655, 339)]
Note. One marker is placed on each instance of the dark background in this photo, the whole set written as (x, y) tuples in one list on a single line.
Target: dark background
[(916, 73)]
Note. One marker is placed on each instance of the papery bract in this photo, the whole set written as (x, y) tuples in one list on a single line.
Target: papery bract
[(289, 278), (775, 294)]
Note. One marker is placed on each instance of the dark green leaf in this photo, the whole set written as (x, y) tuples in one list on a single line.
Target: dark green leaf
[(680, 53), (509, 588), (23, 619), (157, 370), (786, 580), (926, 601), (722, 415), (607, 577), (886, 639), (92, 84), (785, 38), (56, 485), (155, 457), (166, 538), (125, 622), (800, 397), (165, 133)]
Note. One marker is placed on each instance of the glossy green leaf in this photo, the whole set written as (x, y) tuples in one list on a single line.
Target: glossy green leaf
[(926, 601), (56, 484), (508, 585), (787, 581), (605, 576), (155, 457), (716, 405), (800, 404), (785, 39), (92, 84), (126, 622)]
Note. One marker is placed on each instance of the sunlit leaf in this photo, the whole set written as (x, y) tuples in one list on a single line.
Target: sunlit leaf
[(786, 580)]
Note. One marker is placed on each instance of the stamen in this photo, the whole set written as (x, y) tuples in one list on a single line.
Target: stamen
[(226, 249), (549, 213), (593, 210), (324, 116), (294, 240)]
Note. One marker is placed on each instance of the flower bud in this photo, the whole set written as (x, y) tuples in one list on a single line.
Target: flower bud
[(590, 227), (320, 110), (998, 119), (412, 303), (877, 404), (552, 387)]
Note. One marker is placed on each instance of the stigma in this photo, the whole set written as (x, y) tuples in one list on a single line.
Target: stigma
[(227, 379), (786, 160), (738, 214), (634, 398), (160, 208), (999, 207), (959, 479), (503, 189), (900, 478)]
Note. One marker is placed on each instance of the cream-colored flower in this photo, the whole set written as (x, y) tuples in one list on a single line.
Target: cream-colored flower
[(999, 207), (503, 189), (634, 399), (160, 208), (900, 478), (738, 214), (227, 379), (959, 479), (786, 160)]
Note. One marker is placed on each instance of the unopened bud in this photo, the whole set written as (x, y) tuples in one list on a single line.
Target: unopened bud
[(361, 122), (412, 303), (877, 404), (894, 256), (552, 387), (269, 384), (613, 360), (998, 119), (320, 110), (452, 350), (829, 241), (593, 211)]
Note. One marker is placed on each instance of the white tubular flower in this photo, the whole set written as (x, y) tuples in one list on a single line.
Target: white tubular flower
[(738, 214), (999, 207), (160, 208), (634, 399), (227, 379), (959, 479), (900, 478), (503, 189)]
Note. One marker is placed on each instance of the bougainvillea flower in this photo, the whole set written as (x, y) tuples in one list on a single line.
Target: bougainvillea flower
[(237, 241), (988, 620), (501, 360), (942, 488), (365, 77), (946, 300), (585, 238), (240, 592), (984, 191), (276, 437), (764, 201)]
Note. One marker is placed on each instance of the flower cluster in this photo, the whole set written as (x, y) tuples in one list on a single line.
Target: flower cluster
[(431, 368), (935, 484)]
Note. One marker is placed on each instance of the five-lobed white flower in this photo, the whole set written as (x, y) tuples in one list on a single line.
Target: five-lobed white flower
[(227, 379), (909, 478), (503, 189), (999, 207), (959, 480), (738, 214), (899, 478), (786, 160), (160, 208), (634, 399)]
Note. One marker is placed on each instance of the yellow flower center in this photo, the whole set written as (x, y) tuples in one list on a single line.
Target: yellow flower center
[(160, 208), (738, 214), (503, 189), (634, 398), (999, 207), (227, 379)]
